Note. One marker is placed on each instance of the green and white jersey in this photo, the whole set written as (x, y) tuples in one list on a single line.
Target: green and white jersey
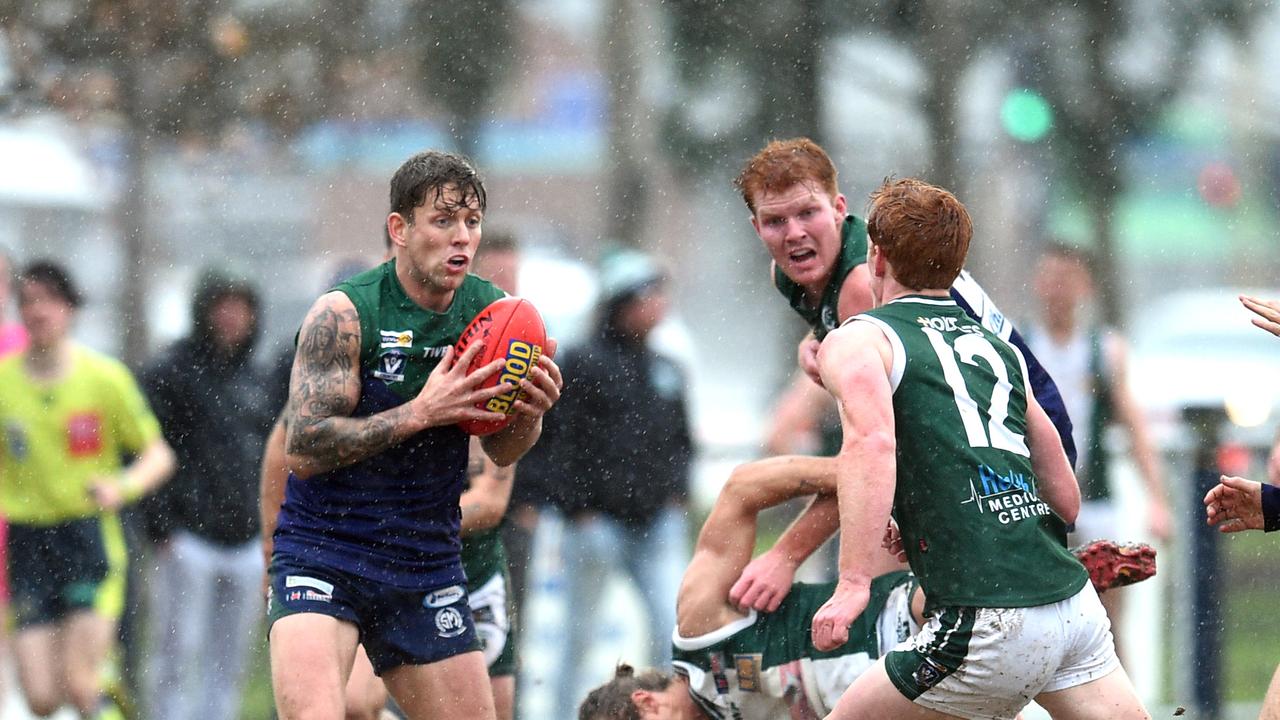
[(826, 316), (764, 666), (966, 498)]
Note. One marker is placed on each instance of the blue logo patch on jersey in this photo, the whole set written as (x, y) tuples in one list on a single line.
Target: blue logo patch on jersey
[(391, 365)]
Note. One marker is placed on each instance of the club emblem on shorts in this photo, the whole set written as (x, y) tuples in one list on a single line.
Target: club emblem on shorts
[(391, 366), (928, 674), (449, 623), (444, 596)]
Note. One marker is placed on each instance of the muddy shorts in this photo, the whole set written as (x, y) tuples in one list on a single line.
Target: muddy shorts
[(990, 662)]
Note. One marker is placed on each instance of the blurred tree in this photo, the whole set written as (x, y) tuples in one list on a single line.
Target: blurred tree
[(750, 73), (1104, 102), (758, 59), (465, 50)]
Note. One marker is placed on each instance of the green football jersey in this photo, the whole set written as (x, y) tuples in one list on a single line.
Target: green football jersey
[(826, 316), (403, 341), (966, 498), (393, 517), (764, 666)]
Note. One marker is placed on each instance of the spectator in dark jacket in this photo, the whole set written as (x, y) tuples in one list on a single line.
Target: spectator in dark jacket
[(215, 408), (618, 467)]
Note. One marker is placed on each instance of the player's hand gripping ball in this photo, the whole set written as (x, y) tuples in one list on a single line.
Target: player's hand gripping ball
[(509, 328)]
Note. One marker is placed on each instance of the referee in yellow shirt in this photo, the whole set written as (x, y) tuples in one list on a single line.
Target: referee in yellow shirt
[(68, 417)]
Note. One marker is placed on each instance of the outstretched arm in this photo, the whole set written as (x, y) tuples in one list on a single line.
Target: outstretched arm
[(1236, 504), (1268, 312), (856, 362), (728, 536)]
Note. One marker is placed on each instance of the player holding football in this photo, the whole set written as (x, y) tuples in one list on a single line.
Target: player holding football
[(366, 550), (941, 428)]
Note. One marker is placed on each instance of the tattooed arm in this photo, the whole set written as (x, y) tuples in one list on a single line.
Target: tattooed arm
[(485, 502), (325, 387)]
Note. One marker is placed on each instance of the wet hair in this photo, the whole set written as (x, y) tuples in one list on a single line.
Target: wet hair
[(54, 277), (923, 231), (612, 700), (783, 164), (428, 176)]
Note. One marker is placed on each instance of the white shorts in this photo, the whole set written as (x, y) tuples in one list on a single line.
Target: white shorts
[(990, 662), (493, 626)]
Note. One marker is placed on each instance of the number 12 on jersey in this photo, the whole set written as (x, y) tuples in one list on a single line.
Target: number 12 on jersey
[(968, 348)]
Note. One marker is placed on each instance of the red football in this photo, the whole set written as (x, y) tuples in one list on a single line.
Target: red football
[(509, 328)]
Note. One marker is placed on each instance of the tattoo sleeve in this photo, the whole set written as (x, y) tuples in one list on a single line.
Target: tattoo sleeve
[(325, 388)]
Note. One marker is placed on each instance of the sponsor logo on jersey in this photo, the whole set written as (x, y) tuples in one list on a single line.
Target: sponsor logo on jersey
[(444, 596), (1011, 496), (748, 670), (396, 338), (84, 434), (391, 366), (435, 353), (449, 623), (946, 324)]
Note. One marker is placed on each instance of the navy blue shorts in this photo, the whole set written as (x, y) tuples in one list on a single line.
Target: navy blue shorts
[(397, 626), (55, 570)]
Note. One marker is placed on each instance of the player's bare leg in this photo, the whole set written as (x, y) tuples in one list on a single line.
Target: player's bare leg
[(1108, 698), (39, 664), (311, 658), (873, 697), (504, 696), (366, 694), (456, 687), (86, 639)]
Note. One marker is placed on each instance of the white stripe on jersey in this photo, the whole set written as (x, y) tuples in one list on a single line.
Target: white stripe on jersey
[(975, 297)]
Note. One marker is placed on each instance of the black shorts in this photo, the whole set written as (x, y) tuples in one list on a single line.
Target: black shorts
[(397, 626), (55, 570)]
